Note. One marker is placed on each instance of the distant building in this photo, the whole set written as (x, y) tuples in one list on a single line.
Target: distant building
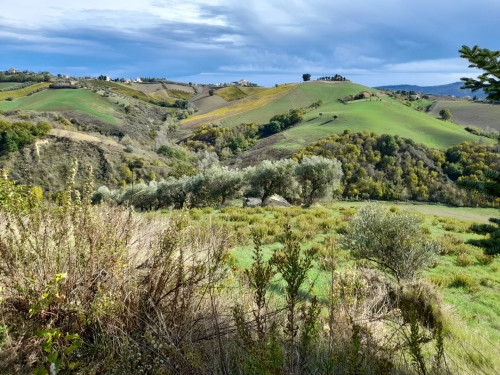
[(127, 80), (243, 82), (66, 76), (12, 70), (138, 80), (107, 79), (366, 94)]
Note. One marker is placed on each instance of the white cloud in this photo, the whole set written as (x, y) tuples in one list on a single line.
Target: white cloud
[(117, 14)]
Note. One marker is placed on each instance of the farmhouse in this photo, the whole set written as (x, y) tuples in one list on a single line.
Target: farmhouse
[(12, 70)]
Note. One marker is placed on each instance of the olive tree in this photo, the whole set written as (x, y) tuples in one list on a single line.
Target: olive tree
[(273, 177), (317, 177), (173, 191), (395, 241), (223, 183)]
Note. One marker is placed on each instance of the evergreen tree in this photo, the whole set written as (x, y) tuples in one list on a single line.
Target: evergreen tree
[(487, 60)]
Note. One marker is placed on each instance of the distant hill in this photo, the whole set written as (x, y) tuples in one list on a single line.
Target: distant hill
[(381, 115), (449, 89)]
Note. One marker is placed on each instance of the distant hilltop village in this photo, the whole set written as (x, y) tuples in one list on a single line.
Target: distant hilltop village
[(241, 82), (13, 74)]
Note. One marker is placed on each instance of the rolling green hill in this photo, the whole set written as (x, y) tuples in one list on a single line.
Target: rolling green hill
[(66, 100), (380, 115)]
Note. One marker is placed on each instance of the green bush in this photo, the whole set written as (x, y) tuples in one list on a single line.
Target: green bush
[(485, 259), (463, 281), (15, 135), (464, 260)]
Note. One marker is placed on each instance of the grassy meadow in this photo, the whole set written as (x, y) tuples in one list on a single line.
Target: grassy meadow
[(8, 85), (469, 284), (67, 100)]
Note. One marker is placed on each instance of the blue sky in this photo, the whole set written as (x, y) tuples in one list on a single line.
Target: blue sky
[(265, 41)]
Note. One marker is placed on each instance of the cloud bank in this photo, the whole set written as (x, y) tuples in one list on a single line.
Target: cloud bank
[(272, 41)]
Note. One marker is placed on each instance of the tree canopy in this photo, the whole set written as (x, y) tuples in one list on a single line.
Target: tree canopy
[(487, 60), (445, 114)]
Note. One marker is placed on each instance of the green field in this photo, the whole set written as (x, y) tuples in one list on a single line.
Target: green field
[(481, 115), (8, 85), (67, 100), (386, 116)]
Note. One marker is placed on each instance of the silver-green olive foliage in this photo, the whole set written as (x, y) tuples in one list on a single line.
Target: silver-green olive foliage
[(396, 241), (273, 177), (318, 176)]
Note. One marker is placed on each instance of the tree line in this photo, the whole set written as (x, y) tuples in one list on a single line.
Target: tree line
[(25, 77), (304, 182), (394, 168)]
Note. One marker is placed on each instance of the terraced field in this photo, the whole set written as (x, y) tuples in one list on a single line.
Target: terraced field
[(481, 115), (66, 100)]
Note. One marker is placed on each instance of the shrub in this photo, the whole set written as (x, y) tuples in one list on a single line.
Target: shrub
[(445, 114), (485, 259), (463, 281), (100, 272), (464, 260), (395, 241)]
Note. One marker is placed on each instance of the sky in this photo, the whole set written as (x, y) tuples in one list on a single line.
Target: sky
[(374, 43)]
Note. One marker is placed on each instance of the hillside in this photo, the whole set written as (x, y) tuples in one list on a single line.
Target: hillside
[(448, 90), (381, 114), (63, 100), (482, 115), (125, 116)]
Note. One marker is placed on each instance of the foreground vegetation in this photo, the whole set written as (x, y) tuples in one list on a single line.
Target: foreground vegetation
[(100, 289)]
